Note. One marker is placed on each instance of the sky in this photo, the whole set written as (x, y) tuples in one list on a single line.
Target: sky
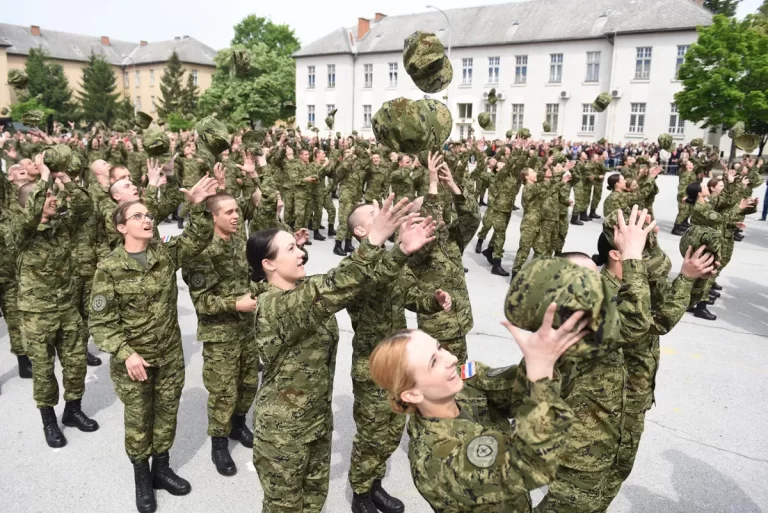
[(212, 22)]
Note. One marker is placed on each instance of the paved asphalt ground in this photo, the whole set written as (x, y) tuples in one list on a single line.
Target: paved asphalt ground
[(705, 448)]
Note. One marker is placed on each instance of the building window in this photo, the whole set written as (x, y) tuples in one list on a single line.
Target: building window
[(676, 123), (310, 77), (330, 107), (552, 111), (126, 80), (366, 116), (555, 68), (493, 69), (137, 78), (393, 74), (643, 63), (368, 68), (518, 109), (151, 78), (152, 99), (138, 103), (521, 69), (637, 118), (587, 117), (311, 114), (681, 51), (331, 76), (491, 109), (462, 131), (593, 66), (194, 76), (465, 110), (466, 71)]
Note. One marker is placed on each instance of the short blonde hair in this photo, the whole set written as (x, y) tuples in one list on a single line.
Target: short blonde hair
[(389, 369)]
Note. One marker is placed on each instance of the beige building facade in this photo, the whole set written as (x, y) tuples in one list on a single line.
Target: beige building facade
[(138, 67)]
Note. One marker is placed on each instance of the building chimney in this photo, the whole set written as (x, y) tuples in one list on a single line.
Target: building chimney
[(35, 29), (186, 37), (142, 43), (363, 26), (105, 40), (176, 38), (380, 17)]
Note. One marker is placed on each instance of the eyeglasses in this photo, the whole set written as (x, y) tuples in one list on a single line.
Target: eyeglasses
[(140, 216)]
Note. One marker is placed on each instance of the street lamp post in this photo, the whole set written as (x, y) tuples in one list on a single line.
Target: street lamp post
[(450, 34)]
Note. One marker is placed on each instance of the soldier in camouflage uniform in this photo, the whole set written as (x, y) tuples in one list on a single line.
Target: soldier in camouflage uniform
[(306, 175), (297, 336), (192, 168), (322, 198), (686, 177), (135, 161), (533, 193), (546, 241), (441, 266), (582, 188), (133, 318), (376, 177), (350, 173), (480, 174), (597, 173), (501, 211), (50, 322), (463, 454), (565, 203), (219, 282), (400, 178)]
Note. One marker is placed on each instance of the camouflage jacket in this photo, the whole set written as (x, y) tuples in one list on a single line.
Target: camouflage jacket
[(217, 278), (439, 266), (136, 162), (133, 308), (532, 199), (297, 336), (478, 461), (192, 172), (89, 238), (44, 263), (375, 179), (620, 200), (686, 178), (8, 224), (402, 183), (502, 185)]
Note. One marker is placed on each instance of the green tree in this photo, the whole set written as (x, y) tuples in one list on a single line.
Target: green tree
[(98, 96), (726, 7), (48, 82), (125, 110), (18, 109), (189, 94), (254, 30), (171, 88)]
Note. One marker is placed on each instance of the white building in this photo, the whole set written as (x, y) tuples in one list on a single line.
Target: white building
[(548, 59)]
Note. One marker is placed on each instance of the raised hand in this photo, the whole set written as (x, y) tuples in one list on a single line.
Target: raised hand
[(203, 189), (45, 173), (153, 172), (248, 167), (388, 218), (220, 175), (698, 265), (630, 235), (415, 233), (301, 236)]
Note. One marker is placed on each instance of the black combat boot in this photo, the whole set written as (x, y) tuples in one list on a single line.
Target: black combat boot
[(74, 417), (575, 220), (583, 217), (220, 456), (331, 231), (180, 223), (685, 224), (348, 247), (91, 360), (319, 236), (25, 366), (53, 435), (309, 227), (362, 503), (738, 237), (715, 286), (515, 208), (702, 313), (593, 215), (338, 250), (482, 204), (383, 501), (479, 246), (497, 269), (163, 478), (145, 496), (713, 293), (678, 230), (240, 431), (488, 254)]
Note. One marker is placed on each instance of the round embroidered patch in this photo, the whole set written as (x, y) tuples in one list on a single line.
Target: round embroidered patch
[(498, 371), (713, 216), (198, 280), (482, 451), (99, 303)]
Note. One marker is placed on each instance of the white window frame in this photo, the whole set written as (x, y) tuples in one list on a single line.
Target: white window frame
[(331, 76), (491, 109), (310, 77), (194, 76), (151, 78), (154, 107), (494, 67), (367, 115), (593, 67), (126, 79), (137, 79), (368, 76), (330, 108), (587, 118), (138, 103), (518, 116), (311, 114), (521, 69), (676, 121), (552, 114), (681, 51), (393, 70), (466, 71), (637, 118), (467, 110), (556, 68), (643, 62)]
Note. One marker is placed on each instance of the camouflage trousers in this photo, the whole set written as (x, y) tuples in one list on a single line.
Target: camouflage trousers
[(9, 295), (546, 239), (500, 222), (348, 200), (322, 200), (231, 376), (378, 435), (150, 407), (302, 200), (528, 233), (582, 192), (487, 224), (47, 335), (481, 187), (82, 286), (562, 231), (597, 195), (634, 425), (683, 211), (294, 476), (289, 205)]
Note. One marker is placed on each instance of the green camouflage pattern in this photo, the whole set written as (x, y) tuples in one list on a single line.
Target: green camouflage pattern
[(401, 125), (142, 120), (58, 158), (426, 63), (602, 102), (213, 133), (18, 78), (156, 142), (484, 120)]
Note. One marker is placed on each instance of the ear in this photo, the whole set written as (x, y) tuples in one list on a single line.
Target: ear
[(268, 265), (614, 255), (360, 233), (121, 228), (412, 396)]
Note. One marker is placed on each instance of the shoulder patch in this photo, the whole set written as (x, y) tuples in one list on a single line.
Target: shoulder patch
[(468, 370), (497, 371), (713, 216), (197, 280), (482, 451), (166, 239), (99, 303)]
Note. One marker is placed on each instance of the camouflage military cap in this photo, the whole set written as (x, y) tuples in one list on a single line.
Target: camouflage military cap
[(484, 120), (602, 101), (160, 122), (666, 142), (203, 152), (75, 165), (747, 142), (524, 133), (401, 125), (289, 107), (426, 63), (363, 144), (573, 288), (338, 135), (697, 142), (213, 133), (120, 126), (57, 158), (697, 236), (440, 121), (492, 98), (239, 63), (510, 134), (4, 111), (254, 136), (330, 119), (354, 133), (17, 78), (546, 127), (156, 142), (143, 120), (190, 117), (22, 93)]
